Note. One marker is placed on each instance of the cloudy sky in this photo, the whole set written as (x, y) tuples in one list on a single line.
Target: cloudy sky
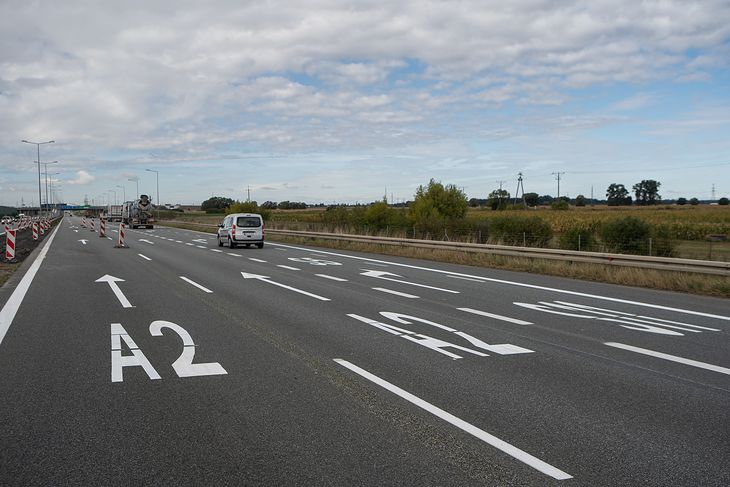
[(325, 100)]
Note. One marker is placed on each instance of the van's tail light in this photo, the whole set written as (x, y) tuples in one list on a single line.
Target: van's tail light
[(263, 229), (234, 229)]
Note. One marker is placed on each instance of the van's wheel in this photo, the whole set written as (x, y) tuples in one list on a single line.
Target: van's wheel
[(220, 244), (231, 245), (260, 245)]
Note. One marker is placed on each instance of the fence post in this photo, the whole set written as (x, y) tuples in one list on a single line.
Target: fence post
[(579, 242), (650, 246), (524, 239)]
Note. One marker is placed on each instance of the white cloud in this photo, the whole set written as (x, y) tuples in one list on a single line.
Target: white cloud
[(83, 178)]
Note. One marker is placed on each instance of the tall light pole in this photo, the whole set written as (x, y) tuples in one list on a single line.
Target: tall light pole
[(38, 146), (45, 172), (115, 196), (124, 192), (136, 180), (51, 181), (157, 173)]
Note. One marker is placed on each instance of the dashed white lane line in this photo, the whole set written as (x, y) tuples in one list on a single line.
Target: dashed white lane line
[(216, 250), (333, 278), (492, 440), (256, 260), (201, 246), (288, 267), (190, 281), (234, 255), (496, 317), (397, 293), (673, 358), (144, 257), (192, 245), (178, 241)]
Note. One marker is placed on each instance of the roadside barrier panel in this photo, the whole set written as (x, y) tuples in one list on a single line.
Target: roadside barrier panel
[(10, 243), (102, 228), (35, 230)]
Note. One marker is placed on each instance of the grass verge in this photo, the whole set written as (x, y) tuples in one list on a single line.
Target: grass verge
[(685, 282), (6, 270)]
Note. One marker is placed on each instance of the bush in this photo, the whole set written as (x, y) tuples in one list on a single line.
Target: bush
[(628, 235), (662, 244), (560, 205), (723, 201), (248, 207), (532, 231), (579, 237)]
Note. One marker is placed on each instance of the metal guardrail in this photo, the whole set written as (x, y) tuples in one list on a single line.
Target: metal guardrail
[(620, 260)]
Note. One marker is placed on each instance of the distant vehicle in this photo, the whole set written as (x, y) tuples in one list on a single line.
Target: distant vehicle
[(138, 213), (114, 213), (241, 228)]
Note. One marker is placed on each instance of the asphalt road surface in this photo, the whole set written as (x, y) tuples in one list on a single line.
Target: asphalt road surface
[(178, 362)]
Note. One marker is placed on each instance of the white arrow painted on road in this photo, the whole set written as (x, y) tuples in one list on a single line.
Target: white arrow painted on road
[(383, 274), (76, 231), (266, 279), (112, 281), (144, 240), (83, 241)]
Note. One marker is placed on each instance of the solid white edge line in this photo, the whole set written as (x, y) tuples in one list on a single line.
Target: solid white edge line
[(496, 317), (492, 440), (673, 358), (397, 293), (7, 314), (333, 278), (513, 283), (144, 257), (190, 281)]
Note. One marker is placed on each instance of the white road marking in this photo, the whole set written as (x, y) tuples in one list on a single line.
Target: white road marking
[(112, 281), (144, 257), (382, 274), (216, 250), (397, 293), (83, 241), (8, 312), (234, 255), (192, 245), (513, 283), (266, 279), (190, 281), (673, 358), (201, 246), (178, 241), (146, 241), (496, 317), (333, 278), (492, 440), (288, 267), (256, 260), (109, 238), (466, 278)]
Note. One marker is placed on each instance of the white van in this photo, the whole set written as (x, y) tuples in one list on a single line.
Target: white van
[(241, 228)]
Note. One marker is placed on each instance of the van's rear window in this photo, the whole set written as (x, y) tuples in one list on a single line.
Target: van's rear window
[(248, 221)]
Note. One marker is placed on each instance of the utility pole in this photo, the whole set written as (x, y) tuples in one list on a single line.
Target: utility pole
[(557, 176), (248, 194), (500, 192), (713, 192), (520, 186)]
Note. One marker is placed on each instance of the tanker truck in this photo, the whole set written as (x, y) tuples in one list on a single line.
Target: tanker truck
[(138, 213)]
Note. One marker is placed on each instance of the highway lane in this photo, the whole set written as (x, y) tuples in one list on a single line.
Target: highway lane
[(286, 410)]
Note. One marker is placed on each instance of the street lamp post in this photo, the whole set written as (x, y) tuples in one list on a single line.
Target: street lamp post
[(124, 192), (136, 180), (157, 173), (45, 172), (115, 196), (51, 181), (38, 146)]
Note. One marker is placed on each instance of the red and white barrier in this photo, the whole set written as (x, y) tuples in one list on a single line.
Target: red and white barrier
[(42, 227), (35, 230), (102, 228), (10, 243), (92, 228), (83, 222), (120, 242)]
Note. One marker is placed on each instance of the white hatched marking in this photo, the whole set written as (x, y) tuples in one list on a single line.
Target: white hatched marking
[(333, 278), (144, 257), (496, 317), (673, 358), (397, 293)]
